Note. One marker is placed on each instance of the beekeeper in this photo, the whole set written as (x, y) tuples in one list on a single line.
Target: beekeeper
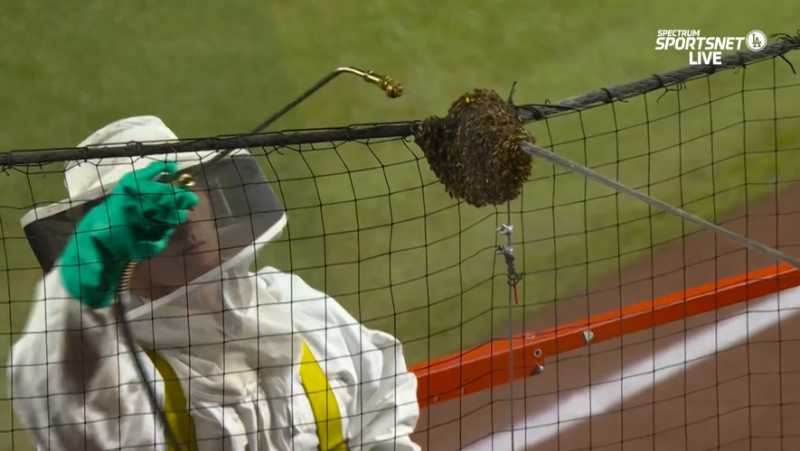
[(240, 360)]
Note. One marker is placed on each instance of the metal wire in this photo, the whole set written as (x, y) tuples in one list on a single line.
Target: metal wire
[(558, 160)]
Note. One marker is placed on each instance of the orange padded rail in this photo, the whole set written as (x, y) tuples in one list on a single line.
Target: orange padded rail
[(487, 366)]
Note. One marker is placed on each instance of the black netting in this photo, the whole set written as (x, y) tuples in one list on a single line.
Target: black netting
[(370, 225)]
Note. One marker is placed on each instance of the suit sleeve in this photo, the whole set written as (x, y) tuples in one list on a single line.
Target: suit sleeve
[(390, 409), (73, 382)]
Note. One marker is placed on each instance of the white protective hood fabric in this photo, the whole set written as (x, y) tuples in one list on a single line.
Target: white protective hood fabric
[(237, 355)]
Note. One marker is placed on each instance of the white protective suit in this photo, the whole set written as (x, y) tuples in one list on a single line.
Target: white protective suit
[(75, 387)]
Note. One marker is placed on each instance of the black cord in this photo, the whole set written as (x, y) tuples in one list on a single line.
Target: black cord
[(127, 336)]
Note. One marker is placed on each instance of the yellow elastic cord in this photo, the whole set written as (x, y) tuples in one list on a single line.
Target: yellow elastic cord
[(323, 403), (179, 420)]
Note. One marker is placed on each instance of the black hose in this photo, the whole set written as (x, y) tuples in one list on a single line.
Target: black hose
[(127, 336)]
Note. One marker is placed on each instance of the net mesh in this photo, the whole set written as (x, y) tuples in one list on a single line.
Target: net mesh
[(370, 225)]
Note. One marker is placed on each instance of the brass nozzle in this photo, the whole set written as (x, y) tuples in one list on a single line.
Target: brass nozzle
[(392, 88), (186, 180)]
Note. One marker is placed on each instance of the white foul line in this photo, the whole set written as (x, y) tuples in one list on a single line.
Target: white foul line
[(686, 351)]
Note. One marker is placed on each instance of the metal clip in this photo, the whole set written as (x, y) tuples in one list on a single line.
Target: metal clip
[(505, 229), (505, 250)]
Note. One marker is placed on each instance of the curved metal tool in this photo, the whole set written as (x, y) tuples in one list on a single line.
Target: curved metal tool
[(388, 85)]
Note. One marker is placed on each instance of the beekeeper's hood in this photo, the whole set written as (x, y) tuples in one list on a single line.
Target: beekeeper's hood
[(246, 212)]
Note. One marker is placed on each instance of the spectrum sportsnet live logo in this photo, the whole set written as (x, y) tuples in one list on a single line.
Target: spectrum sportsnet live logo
[(708, 50)]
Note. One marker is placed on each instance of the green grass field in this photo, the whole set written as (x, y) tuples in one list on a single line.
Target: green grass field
[(68, 68)]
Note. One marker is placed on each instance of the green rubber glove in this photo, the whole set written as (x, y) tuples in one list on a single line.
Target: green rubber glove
[(134, 223)]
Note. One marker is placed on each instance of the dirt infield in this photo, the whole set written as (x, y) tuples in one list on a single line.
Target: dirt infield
[(742, 394)]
